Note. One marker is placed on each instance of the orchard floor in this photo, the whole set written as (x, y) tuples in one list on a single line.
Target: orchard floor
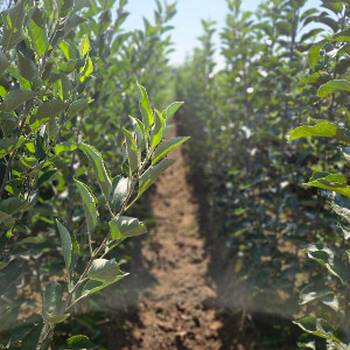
[(176, 311), (171, 299)]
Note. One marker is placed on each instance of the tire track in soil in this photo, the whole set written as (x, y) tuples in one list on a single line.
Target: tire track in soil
[(176, 312)]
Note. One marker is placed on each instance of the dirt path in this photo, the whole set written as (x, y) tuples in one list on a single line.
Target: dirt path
[(175, 313)]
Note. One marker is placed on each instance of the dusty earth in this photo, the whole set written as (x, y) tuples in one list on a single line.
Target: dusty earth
[(176, 312)]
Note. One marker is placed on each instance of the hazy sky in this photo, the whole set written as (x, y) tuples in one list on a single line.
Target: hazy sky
[(187, 22)]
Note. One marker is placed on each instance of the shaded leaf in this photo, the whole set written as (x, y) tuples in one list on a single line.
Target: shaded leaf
[(316, 327), (151, 174), (53, 303), (12, 29), (66, 243), (46, 111), (4, 63), (15, 98)]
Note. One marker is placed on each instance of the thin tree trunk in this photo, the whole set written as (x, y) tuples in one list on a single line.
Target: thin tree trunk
[(46, 336)]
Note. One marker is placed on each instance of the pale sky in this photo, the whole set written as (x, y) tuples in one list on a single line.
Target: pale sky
[(187, 22)]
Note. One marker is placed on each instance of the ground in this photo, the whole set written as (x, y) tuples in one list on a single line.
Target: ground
[(176, 312)]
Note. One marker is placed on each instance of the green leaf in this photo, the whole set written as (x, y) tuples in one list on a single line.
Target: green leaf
[(145, 108), (77, 106), (85, 46), (104, 270), (38, 37), (132, 151), (79, 342), (321, 129), (9, 144), (99, 167), (15, 98), (151, 174), (4, 63), (102, 274), (12, 28), (72, 23), (158, 129), (172, 109), (27, 68), (66, 242), (89, 205), (65, 147), (165, 147), (6, 220), (331, 261), (46, 176), (316, 327), (92, 286), (31, 339), (315, 53), (53, 303), (331, 182), (342, 36), (140, 132), (119, 193), (87, 70), (124, 227), (65, 48), (66, 7), (48, 109), (313, 293), (13, 205), (332, 86)]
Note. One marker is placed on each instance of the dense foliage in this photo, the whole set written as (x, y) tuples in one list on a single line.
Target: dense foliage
[(282, 66), (72, 163), (80, 143)]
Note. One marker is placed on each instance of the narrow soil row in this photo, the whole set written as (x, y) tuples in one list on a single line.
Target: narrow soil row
[(176, 312)]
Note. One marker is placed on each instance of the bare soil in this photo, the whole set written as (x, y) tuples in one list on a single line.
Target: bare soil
[(177, 311)]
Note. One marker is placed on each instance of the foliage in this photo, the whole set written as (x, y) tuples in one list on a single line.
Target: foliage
[(328, 291), (71, 164), (278, 63)]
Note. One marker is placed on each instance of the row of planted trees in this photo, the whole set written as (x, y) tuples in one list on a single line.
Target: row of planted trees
[(284, 65), (72, 162)]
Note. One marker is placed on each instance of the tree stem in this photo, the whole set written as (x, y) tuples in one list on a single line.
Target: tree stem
[(46, 336)]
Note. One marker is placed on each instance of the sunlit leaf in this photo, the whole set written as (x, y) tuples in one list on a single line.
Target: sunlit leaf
[(145, 108), (165, 147), (124, 227)]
